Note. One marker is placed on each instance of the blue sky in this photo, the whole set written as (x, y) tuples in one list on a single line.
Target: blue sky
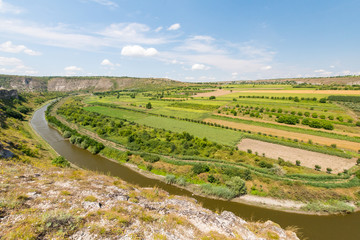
[(186, 40)]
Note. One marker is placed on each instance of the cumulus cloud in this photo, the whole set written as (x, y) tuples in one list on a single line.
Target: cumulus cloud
[(138, 51), (198, 66), (106, 62), (174, 27), (11, 48), (14, 66), (8, 8), (72, 70)]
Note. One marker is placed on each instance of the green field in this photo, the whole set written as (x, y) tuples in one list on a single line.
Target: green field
[(223, 136)]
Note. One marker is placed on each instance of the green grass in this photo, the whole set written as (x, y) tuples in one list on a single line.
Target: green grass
[(219, 135), (289, 129)]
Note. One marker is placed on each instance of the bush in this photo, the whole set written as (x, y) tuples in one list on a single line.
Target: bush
[(212, 97), (358, 123), (170, 179), (60, 161), (237, 185), (67, 134), (200, 168), (264, 164), (150, 158), (298, 163), (317, 167), (292, 120)]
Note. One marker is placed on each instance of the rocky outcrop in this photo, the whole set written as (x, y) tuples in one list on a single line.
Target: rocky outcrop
[(77, 204)]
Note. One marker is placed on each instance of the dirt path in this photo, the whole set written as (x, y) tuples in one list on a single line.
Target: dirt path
[(307, 158), (281, 133), (222, 92)]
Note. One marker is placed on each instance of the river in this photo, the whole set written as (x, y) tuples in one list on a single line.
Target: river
[(310, 226)]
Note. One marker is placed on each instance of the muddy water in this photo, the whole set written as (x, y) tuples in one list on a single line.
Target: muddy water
[(311, 227)]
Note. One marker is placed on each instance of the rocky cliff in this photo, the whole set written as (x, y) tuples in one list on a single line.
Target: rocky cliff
[(67, 84)]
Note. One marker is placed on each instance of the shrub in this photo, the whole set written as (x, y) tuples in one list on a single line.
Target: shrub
[(322, 100), (288, 119), (317, 167), (212, 97), (211, 179), (358, 161), (200, 168), (60, 161), (148, 105), (298, 163), (67, 134), (237, 185), (358, 123), (150, 158), (328, 170), (264, 164), (170, 179)]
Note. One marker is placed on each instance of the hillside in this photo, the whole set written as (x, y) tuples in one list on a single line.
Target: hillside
[(67, 84), (339, 80)]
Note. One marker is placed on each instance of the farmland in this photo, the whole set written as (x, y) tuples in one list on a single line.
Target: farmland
[(271, 136)]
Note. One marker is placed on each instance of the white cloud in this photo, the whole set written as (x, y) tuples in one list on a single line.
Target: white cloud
[(332, 66), (198, 66), (72, 70), (59, 36), (138, 51), (323, 72), (106, 62), (189, 78), (11, 48), (266, 67), (201, 44), (158, 29), (8, 8), (174, 27), (131, 33), (14, 66), (107, 3)]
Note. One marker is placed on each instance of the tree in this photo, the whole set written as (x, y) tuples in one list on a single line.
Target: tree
[(298, 163), (328, 170), (317, 167), (148, 105), (212, 97)]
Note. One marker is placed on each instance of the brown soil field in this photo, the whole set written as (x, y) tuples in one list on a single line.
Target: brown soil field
[(307, 158), (281, 133), (222, 92), (350, 131)]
